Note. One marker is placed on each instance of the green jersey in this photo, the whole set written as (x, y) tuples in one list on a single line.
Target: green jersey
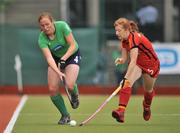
[(58, 46)]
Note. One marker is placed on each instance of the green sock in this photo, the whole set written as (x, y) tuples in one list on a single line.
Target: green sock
[(75, 90), (58, 101)]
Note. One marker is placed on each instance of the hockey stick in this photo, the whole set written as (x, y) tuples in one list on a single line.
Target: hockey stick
[(65, 86), (101, 106), (67, 91)]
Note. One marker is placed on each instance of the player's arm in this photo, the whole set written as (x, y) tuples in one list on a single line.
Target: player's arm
[(124, 54), (71, 41), (123, 58), (133, 58), (51, 62)]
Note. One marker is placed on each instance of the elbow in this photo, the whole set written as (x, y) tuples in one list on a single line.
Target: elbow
[(49, 60)]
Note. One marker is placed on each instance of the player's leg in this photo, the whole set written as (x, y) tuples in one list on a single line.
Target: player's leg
[(72, 71), (125, 93), (57, 99), (148, 95)]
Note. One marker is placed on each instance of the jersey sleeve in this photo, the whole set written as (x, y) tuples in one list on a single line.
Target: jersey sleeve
[(67, 30), (136, 39), (64, 27), (42, 41)]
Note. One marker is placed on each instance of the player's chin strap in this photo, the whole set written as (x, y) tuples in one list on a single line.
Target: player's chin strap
[(125, 83)]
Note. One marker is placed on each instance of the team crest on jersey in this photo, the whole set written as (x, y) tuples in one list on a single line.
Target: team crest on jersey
[(57, 47)]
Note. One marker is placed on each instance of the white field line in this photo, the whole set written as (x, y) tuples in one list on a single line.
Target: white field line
[(11, 123)]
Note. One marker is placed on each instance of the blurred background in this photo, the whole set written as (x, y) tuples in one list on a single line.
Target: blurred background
[(92, 25)]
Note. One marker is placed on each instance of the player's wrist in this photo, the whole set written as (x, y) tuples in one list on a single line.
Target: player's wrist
[(62, 63)]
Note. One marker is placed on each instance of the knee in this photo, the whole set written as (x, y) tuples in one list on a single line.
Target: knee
[(70, 85), (53, 90), (148, 88)]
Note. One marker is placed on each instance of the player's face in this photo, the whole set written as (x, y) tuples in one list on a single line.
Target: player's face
[(121, 33), (47, 26)]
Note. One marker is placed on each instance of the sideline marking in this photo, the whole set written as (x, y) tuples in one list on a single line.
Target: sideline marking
[(11, 123)]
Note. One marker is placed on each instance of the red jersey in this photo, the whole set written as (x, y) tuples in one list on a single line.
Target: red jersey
[(147, 59)]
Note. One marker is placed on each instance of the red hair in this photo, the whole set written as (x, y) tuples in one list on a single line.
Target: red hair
[(133, 26), (45, 14), (124, 22), (127, 24)]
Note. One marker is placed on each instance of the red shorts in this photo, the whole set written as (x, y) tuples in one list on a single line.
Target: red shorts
[(152, 68)]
